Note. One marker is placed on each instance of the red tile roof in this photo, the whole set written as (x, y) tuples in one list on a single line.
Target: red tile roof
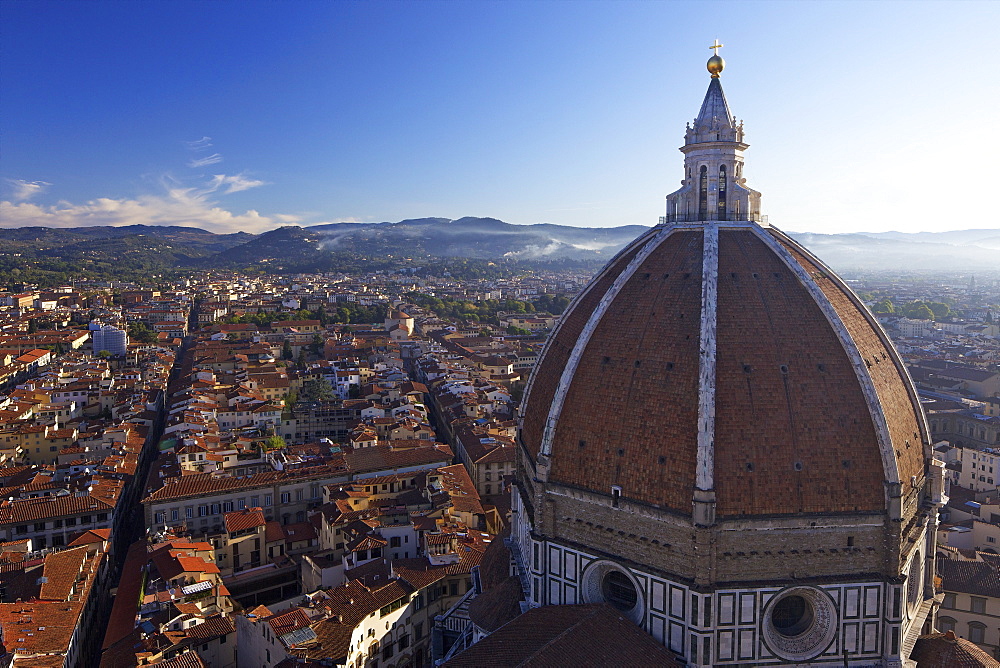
[(47, 507), (567, 636), (946, 650), (64, 570), (289, 621), (213, 627), (121, 621), (91, 536), (273, 532), (43, 627), (204, 484), (366, 543), (777, 354), (979, 576), (248, 518), (196, 565)]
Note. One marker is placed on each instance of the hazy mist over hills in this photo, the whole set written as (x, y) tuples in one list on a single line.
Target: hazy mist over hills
[(480, 238), (959, 250), (293, 247)]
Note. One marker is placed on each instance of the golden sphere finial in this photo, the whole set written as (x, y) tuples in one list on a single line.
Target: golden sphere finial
[(716, 64)]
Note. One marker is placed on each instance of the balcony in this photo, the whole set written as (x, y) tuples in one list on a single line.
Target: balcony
[(712, 216)]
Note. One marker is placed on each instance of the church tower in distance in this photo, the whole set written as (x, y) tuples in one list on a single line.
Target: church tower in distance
[(720, 441)]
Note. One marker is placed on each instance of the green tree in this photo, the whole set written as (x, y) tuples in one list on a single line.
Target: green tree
[(316, 389), (884, 306), (286, 350), (274, 443), (939, 309), (138, 331), (923, 313)]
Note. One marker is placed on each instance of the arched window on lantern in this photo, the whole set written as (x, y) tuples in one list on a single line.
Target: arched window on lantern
[(703, 194), (723, 185)]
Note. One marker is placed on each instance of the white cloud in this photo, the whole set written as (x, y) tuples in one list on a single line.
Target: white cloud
[(199, 144), (595, 245), (185, 206), (235, 183), (315, 215), (207, 160), (25, 190), (181, 202), (143, 211), (535, 251)]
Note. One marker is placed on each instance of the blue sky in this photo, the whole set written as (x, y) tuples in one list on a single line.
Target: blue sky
[(249, 115)]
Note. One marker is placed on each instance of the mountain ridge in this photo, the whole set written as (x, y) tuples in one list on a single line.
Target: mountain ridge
[(321, 247)]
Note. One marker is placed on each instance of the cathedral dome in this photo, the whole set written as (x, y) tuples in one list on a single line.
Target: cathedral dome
[(725, 356), (719, 434)]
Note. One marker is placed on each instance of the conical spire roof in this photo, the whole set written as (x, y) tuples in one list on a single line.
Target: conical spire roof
[(714, 122), (715, 107)]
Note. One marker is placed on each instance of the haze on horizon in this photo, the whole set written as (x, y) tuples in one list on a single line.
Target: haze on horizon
[(860, 116)]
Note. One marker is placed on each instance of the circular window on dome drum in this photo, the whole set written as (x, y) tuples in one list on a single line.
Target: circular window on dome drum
[(791, 616), (607, 582), (799, 623), (619, 591)]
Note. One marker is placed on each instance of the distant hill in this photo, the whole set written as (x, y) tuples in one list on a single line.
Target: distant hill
[(55, 255), (960, 250), (190, 235), (957, 237), (484, 238), (116, 251), (286, 245), (320, 246)]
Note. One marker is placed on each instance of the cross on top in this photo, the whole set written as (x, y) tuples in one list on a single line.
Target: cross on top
[(716, 46)]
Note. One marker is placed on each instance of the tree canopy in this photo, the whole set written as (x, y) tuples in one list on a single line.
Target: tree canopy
[(140, 333), (486, 310), (316, 389)]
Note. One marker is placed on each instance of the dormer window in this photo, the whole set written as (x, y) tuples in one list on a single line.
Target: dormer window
[(616, 495)]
